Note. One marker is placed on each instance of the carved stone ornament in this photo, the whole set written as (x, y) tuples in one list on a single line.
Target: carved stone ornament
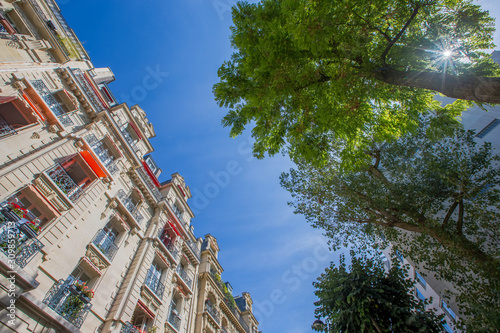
[(95, 259), (35, 135)]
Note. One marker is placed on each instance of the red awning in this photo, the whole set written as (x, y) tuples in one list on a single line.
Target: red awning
[(182, 191), (151, 175), (33, 106), (174, 228), (148, 312), (93, 164)]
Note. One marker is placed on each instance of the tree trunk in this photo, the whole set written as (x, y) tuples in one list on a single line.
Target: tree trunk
[(466, 87)]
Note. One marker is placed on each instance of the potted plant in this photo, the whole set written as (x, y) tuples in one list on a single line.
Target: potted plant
[(71, 306), (85, 292)]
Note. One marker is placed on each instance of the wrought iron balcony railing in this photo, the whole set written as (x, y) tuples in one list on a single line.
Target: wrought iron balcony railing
[(127, 202), (132, 143), (194, 248), (65, 182), (154, 283), (129, 328), (5, 127), (105, 243), (174, 318), (104, 155), (52, 103), (178, 213), (212, 311), (87, 89), (182, 273), (169, 245), (17, 238), (152, 187), (219, 282), (65, 299), (69, 32), (38, 10)]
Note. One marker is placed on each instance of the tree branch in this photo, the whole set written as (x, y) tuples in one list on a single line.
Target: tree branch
[(448, 214), (466, 87), (400, 33), (460, 220), (375, 324)]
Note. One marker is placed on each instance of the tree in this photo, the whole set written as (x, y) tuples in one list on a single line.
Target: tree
[(311, 74), (436, 198), (366, 299)]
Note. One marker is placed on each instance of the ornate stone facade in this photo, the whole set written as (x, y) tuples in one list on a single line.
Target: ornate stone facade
[(81, 202)]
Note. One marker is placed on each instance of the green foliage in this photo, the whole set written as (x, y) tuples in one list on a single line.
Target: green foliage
[(435, 198), (72, 306), (229, 297), (312, 75), (365, 299)]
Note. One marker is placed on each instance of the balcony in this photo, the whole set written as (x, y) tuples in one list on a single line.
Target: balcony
[(102, 153), (89, 90), (193, 250), (232, 307), (55, 107), (182, 273), (82, 54), (174, 319), (212, 311), (169, 245), (130, 206), (65, 299), (5, 127), (105, 243), (130, 141), (153, 283), (149, 182), (17, 238), (129, 328), (65, 183)]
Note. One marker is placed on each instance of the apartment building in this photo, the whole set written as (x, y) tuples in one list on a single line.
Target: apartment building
[(90, 240)]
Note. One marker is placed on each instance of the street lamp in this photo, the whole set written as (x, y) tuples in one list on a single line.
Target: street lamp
[(319, 326)]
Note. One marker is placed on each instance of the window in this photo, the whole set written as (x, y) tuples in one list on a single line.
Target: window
[(419, 294), (142, 318), (400, 256), (488, 128), (105, 239), (14, 115), (154, 278), (448, 310), (177, 212), (420, 279), (447, 328), (80, 275), (385, 261)]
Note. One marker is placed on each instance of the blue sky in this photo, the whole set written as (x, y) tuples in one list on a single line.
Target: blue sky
[(266, 249)]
